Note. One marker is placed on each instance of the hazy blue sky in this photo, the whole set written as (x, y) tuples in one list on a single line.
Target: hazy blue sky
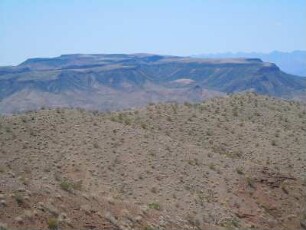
[(46, 28)]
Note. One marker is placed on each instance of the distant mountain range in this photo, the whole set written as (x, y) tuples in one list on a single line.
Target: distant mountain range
[(117, 81), (290, 62)]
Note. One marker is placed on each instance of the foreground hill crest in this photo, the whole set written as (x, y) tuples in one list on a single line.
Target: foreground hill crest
[(235, 162)]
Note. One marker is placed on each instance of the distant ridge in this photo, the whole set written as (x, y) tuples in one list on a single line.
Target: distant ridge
[(118, 81), (290, 62)]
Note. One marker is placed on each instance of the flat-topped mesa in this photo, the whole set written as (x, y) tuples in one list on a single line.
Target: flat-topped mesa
[(123, 61), (89, 60), (80, 59), (215, 61), (254, 59), (43, 63), (117, 81)]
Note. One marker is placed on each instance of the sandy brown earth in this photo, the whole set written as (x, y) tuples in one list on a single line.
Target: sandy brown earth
[(236, 162)]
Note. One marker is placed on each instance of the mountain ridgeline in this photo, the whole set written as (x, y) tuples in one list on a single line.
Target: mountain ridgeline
[(290, 62), (118, 81)]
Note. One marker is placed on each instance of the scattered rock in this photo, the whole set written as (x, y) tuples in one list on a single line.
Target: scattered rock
[(19, 219)]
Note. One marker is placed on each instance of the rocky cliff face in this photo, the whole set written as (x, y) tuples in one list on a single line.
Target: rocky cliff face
[(108, 82)]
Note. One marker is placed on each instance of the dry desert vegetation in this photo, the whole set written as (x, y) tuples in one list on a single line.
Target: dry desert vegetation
[(234, 162)]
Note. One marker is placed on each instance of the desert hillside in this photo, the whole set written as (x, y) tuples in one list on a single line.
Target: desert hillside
[(235, 162)]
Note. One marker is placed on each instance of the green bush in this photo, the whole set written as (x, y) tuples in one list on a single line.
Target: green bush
[(239, 170), (66, 185), (52, 223), (155, 206), (250, 182), (69, 185), (19, 199)]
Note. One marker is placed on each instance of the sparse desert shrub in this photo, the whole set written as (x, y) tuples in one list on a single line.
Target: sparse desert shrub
[(77, 185), (143, 125), (304, 183), (284, 188), (127, 122), (52, 223), (187, 104), (239, 170), (209, 196), (250, 182), (174, 108), (193, 221), (113, 118), (209, 133), (120, 117), (66, 185), (154, 190), (69, 185), (237, 154), (212, 166), (19, 198), (235, 112), (96, 145), (95, 112), (140, 177), (154, 205), (230, 223), (148, 228), (24, 119), (194, 162)]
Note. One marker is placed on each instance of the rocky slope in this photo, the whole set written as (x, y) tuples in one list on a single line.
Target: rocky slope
[(235, 162), (112, 82)]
